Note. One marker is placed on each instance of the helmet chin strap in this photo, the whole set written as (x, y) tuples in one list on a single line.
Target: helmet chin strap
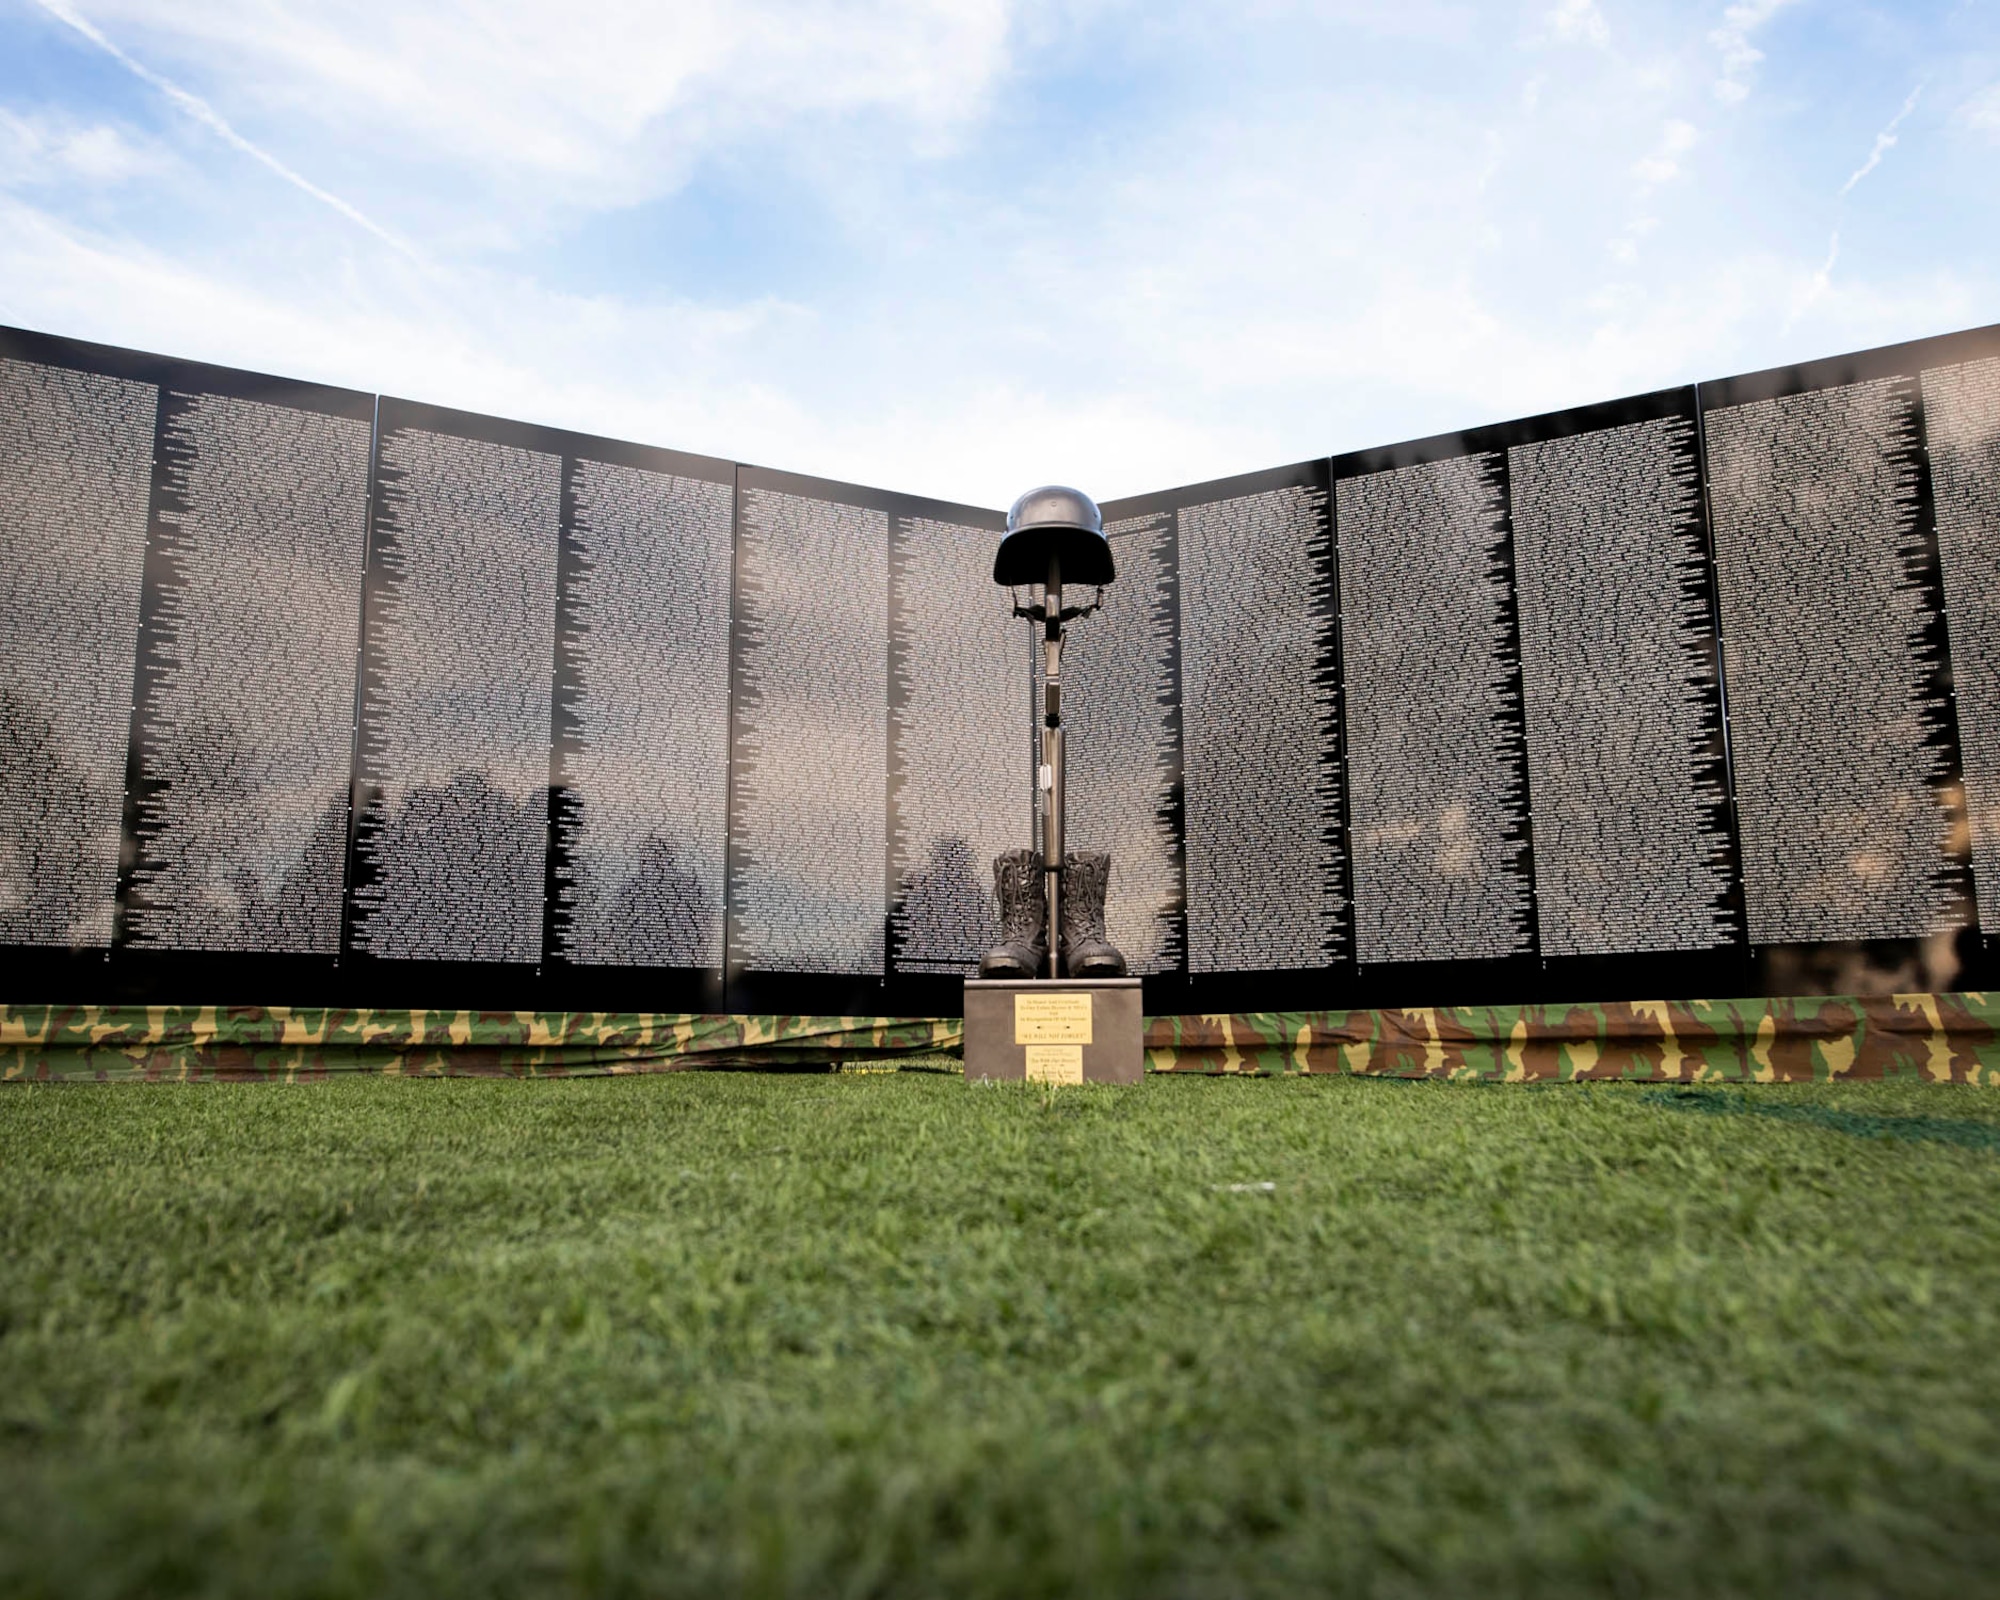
[(1039, 611)]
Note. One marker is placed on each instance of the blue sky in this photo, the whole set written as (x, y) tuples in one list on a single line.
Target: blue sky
[(961, 248)]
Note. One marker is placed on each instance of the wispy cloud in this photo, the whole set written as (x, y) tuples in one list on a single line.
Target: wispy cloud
[(193, 105), (1981, 112), (1732, 39), (955, 248), (1578, 20), (594, 102), (1817, 285), (55, 149), (1663, 165)]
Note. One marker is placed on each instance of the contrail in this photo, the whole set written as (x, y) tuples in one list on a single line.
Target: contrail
[(1884, 141), (210, 118), (1818, 286)]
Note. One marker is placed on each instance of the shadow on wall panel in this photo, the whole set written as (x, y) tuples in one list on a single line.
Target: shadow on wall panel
[(1205, 753), (1536, 760), (528, 800), (961, 758), (1856, 508), (1821, 844), (180, 575), (880, 697), (541, 756), (1121, 708), (311, 698)]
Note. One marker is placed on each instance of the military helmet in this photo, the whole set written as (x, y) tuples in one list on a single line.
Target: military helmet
[(1059, 522)]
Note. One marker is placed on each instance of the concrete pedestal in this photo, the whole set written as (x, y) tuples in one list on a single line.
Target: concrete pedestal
[(1054, 1030)]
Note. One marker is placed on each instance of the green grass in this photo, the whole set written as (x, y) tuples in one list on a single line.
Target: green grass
[(893, 1335)]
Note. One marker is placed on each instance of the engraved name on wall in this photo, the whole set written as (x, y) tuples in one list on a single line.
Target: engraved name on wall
[(1258, 714), (642, 710), (808, 824), (246, 678), (1833, 701), (1632, 845), (1962, 428), (1434, 727), (959, 717), (1123, 760), (452, 838), (76, 454)]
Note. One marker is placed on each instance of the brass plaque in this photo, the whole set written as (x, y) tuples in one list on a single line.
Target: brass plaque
[(1052, 1019), (1055, 1063)]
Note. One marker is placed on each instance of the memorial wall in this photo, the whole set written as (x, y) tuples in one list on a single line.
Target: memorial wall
[(242, 723), (309, 696), (961, 755)]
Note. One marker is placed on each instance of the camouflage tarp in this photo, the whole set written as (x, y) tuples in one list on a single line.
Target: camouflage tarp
[(1940, 1038), (71, 1043), (1950, 1038)]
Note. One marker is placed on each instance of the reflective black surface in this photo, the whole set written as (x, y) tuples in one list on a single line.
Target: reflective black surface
[(541, 769), (221, 668), (78, 434), (639, 771), (879, 707), (1122, 710), (1535, 743), (1857, 603), (1237, 699), (243, 715), (960, 748), (307, 697)]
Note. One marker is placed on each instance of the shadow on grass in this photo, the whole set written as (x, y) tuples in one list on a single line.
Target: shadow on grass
[(1859, 1124)]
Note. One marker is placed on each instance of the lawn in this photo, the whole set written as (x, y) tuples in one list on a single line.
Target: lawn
[(888, 1334)]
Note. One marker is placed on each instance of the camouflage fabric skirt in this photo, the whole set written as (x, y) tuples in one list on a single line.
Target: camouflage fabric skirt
[(1941, 1038)]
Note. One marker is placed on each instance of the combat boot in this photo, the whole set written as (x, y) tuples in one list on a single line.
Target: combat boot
[(1023, 950), (1086, 952)]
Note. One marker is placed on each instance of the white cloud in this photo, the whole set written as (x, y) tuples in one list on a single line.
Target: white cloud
[(1625, 248), (597, 101), (53, 149), (1663, 165), (193, 105), (1203, 280), (1816, 286), (1579, 20), (1659, 166), (1732, 40), (1981, 112)]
